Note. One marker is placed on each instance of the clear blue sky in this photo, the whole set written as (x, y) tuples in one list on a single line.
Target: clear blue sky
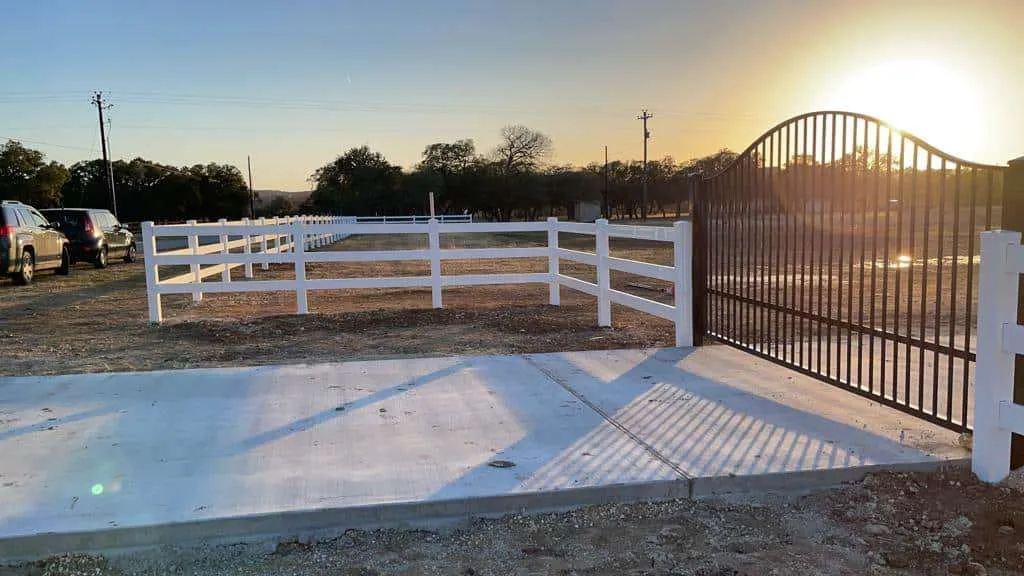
[(295, 83)]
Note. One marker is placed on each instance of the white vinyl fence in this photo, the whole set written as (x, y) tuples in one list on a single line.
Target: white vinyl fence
[(277, 242), (1000, 338)]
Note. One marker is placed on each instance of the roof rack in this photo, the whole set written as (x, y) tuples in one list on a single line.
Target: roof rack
[(6, 202)]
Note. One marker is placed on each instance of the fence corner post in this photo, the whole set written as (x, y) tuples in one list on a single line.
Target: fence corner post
[(197, 277), (225, 275), (554, 287), (682, 243), (298, 240), (994, 373), (247, 246), (435, 262), (604, 297), (156, 313)]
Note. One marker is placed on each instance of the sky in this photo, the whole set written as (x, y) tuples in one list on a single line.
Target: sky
[(294, 84)]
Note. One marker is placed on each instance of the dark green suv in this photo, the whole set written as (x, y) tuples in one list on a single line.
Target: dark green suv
[(29, 243)]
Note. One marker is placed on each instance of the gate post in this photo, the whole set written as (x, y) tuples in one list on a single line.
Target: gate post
[(997, 294), (1013, 219), (698, 282)]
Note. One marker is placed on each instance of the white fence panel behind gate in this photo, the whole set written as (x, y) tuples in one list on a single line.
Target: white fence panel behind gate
[(288, 241)]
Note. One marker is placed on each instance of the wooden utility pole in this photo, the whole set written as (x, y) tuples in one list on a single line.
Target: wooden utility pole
[(252, 193), (604, 203), (645, 116), (108, 171)]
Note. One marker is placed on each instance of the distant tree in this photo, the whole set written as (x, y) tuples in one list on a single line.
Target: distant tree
[(359, 181), (521, 149), (26, 176), (712, 163), (445, 158), (278, 206)]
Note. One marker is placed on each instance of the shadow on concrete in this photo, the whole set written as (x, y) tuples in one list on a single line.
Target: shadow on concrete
[(692, 424), (329, 414)]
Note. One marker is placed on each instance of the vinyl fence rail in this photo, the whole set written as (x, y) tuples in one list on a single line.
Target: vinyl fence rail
[(1000, 338), (289, 241)]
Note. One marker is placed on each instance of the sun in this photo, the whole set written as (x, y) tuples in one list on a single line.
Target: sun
[(927, 98)]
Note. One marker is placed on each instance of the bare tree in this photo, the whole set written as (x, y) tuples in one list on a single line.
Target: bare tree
[(521, 149)]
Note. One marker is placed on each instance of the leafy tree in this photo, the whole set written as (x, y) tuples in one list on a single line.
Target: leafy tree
[(359, 181), (26, 176)]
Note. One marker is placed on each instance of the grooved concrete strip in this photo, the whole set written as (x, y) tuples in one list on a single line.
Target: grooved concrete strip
[(283, 450)]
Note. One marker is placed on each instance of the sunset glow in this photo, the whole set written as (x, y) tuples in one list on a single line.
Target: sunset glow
[(927, 98)]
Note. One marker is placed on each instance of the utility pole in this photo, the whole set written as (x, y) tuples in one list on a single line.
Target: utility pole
[(604, 207), (97, 101), (645, 116), (252, 194)]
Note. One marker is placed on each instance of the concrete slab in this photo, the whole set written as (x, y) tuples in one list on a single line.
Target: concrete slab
[(93, 452), (141, 459), (717, 413)]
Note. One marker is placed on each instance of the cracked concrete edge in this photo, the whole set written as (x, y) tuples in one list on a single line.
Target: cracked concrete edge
[(807, 480), (329, 523)]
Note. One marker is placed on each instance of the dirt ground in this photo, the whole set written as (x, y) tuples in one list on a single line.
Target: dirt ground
[(934, 524), (96, 320)]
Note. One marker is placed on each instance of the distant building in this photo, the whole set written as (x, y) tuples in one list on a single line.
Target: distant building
[(586, 211)]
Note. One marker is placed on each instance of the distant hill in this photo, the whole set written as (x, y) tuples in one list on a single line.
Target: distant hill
[(266, 196)]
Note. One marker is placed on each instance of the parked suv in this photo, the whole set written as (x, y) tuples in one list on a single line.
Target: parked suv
[(95, 235), (29, 243)]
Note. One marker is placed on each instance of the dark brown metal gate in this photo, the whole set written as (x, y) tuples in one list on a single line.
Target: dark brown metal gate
[(844, 249)]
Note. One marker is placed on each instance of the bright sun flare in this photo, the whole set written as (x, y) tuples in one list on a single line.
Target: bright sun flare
[(922, 97)]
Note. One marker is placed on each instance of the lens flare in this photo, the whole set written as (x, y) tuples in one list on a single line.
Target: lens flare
[(97, 489)]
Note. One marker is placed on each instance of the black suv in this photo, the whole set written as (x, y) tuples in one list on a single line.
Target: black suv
[(95, 235), (29, 243)]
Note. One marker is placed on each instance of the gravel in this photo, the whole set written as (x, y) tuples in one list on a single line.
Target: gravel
[(960, 527)]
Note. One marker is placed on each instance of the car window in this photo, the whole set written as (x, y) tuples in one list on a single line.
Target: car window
[(38, 218), (104, 220), (26, 218), (67, 219)]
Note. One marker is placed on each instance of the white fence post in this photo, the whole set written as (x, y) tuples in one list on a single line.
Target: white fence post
[(997, 306), (682, 244), (277, 235), (604, 301), (435, 262), (196, 269), (299, 233), (225, 275), (263, 244), (247, 247), (554, 292), (156, 313)]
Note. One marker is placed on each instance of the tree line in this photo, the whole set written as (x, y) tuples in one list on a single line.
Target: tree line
[(145, 190), (512, 181)]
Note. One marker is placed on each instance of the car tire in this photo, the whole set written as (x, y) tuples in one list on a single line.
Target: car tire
[(28, 268), (101, 258), (130, 255), (65, 262)]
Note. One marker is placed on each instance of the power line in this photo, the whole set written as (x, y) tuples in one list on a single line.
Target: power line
[(42, 143)]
